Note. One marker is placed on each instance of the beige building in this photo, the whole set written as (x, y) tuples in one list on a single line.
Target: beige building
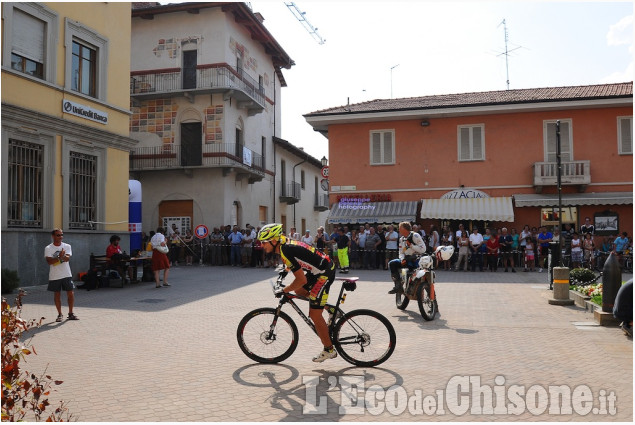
[(205, 86), (65, 128)]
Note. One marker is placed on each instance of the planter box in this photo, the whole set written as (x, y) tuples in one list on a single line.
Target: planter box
[(578, 298)]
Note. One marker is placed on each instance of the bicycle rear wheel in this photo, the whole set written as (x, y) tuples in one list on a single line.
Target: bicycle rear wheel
[(364, 338), (263, 341), (427, 307)]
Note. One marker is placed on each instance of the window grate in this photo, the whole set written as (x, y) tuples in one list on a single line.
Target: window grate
[(82, 190), (25, 166)]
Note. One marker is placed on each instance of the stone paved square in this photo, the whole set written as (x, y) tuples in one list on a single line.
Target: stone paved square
[(170, 354)]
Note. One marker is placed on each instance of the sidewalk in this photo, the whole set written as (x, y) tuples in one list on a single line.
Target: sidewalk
[(170, 354)]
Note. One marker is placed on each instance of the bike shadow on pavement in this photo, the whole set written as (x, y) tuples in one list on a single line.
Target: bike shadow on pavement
[(319, 399), (433, 325)]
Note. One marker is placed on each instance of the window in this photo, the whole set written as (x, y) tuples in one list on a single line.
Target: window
[(27, 29), (86, 60), (382, 147), (183, 224), (302, 179), (84, 69), (82, 190), (262, 214), (625, 135), (566, 144), (25, 185), (471, 141)]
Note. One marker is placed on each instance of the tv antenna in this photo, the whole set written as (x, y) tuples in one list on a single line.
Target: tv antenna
[(300, 16), (507, 52)]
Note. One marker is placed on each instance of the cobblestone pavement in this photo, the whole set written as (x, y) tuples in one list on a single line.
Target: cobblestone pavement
[(170, 354)]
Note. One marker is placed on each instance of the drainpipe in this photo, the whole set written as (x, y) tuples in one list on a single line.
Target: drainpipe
[(275, 166)]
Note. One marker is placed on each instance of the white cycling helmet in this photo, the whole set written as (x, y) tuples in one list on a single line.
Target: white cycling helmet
[(425, 262), (444, 252)]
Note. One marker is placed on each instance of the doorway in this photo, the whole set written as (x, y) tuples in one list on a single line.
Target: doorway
[(191, 144)]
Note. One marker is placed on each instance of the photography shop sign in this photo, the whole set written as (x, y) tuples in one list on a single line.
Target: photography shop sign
[(84, 111)]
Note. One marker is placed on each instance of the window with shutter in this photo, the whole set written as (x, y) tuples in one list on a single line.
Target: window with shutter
[(26, 29), (625, 135), (382, 147), (565, 141), (471, 143), (27, 50)]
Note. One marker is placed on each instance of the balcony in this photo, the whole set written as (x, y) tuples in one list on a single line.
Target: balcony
[(215, 78), (290, 193), (321, 202), (231, 157), (573, 173)]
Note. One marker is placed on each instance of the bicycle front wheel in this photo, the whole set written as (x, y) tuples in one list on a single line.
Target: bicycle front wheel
[(264, 339), (364, 338)]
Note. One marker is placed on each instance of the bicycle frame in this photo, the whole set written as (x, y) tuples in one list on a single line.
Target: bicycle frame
[(288, 299)]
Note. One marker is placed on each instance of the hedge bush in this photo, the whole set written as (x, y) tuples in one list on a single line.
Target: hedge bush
[(10, 281)]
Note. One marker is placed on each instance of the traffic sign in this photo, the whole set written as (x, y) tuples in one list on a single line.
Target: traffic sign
[(324, 183), (325, 171), (201, 231)]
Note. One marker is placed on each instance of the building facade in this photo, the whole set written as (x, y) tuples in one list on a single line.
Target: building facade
[(65, 127), (486, 159), (205, 87)]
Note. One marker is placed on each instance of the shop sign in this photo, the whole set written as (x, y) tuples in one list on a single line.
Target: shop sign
[(366, 197), (464, 193), (85, 111), (355, 204)]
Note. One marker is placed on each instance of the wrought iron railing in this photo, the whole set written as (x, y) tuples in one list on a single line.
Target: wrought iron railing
[(291, 190), (214, 76), (322, 200), (170, 155)]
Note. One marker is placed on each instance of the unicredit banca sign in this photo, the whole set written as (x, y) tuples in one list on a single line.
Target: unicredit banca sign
[(84, 111)]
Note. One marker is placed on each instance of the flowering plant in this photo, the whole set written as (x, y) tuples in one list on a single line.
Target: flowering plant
[(590, 290)]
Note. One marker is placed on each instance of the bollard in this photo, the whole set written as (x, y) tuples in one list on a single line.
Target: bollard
[(611, 282), (560, 287)]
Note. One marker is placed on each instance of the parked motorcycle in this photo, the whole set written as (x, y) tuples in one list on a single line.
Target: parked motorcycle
[(418, 283)]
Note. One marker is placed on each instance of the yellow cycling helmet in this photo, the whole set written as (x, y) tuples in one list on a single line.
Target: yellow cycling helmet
[(269, 232)]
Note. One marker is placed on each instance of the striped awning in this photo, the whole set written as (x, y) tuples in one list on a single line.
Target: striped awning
[(373, 212), (489, 209), (574, 199)]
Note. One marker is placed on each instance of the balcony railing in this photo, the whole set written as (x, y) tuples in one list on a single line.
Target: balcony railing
[(175, 156), (573, 173), (209, 79), (290, 192), (321, 202)]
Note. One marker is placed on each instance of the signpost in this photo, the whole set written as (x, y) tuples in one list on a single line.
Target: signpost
[(201, 231)]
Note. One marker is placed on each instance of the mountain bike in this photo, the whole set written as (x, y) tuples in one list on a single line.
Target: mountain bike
[(361, 337)]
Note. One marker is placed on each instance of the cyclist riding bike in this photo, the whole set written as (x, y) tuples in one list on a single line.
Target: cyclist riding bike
[(320, 273), (410, 244)]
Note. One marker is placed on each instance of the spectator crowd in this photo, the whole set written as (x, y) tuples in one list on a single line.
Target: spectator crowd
[(371, 247)]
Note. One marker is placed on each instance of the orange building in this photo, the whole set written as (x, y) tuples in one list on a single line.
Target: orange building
[(484, 159)]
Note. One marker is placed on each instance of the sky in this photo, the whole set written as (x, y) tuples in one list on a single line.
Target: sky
[(440, 47)]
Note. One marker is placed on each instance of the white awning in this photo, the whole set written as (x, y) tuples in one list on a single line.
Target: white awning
[(574, 199), (373, 212), (490, 209)]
